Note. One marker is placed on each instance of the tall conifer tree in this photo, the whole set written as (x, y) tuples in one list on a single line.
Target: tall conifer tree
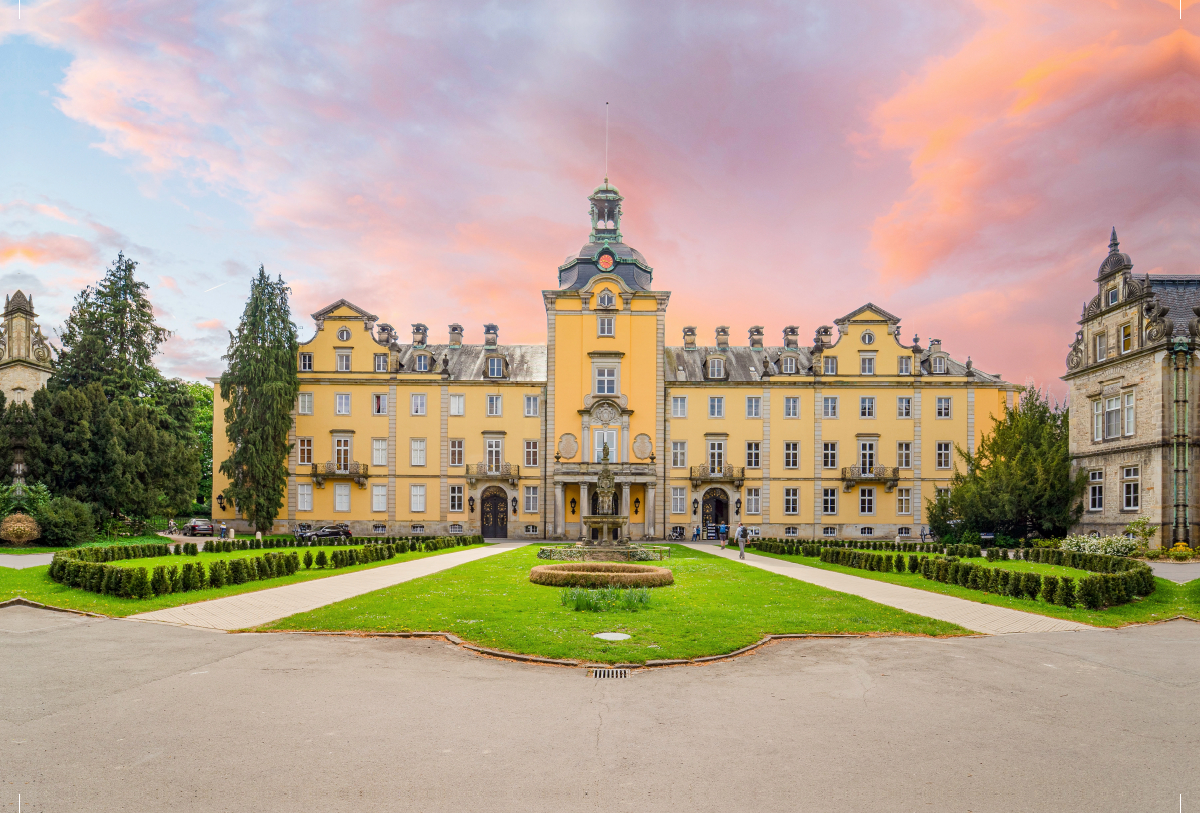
[(260, 387)]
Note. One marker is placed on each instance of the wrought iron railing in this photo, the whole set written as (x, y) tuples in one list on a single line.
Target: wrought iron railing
[(493, 470), (351, 469), (870, 473), (718, 473)]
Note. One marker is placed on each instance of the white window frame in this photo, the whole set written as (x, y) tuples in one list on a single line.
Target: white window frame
[(1112, 417), (1129, 402), (306, 362), (605, 326), (829, 502), (753, 406), (1125, 338), (341, 497), (944, 455), (344, 364), (379, 403), (1131, 496), (416, 498), (678, 500), (679, 406), (787, 365), (418, 403), (904, 454), (604, 380), (866, 406), (532, 454), (495, 367), (343, 334), (495, 405), (904, 501), (456, 499), (379, 451), (944, 407), (304, 403), (416, 451), (904, 365), (531, 499), (304, 497), (381, 362), (866, 364), (679, 454), (791, 454), (791, 406), (341, 403), (304, 451), (904, 406), (829, 407), (343, 451), (457, 455), (420, 363), (716, 368), (753, 454), (531, 406), (716, 455), (791, 501), (458, 404), (1096, 490), (866, 501), (494, 455), (938, 365), (829, 365), (1097, 420), (754, 500), (829, 454), (716, 406), (379, 497)]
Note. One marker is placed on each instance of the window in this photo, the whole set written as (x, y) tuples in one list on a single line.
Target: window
[(1112, 417), (606, 299), (868, 337), (828, 530), (531, 453), (458, 404), (379, 498), (1096, 491), (1128, 413), (1097, 420), (494, 456), (604, 325), (341, 454), (531, 499), (938, 365), (904, 407), (943, 408), (866, 365), (341, 497), (606, 380), (1130, 492), (904, 455), (343, 334), (1101, 346), (942, 460), (379, 528), (1112, 296), (417, 453), (418, 403), (381, 362), (378, 404), (678, 500), (866, 454), (791, 501), (456, 453), (456, 499), (866, 406), (304, 497), (754, 501), (305, 405), (602, 438), (787, 365), (753, 459), (341, 403), (829, 500), (379, 452), (456, 527), (678, 454), (493, 405), (941, 493), (417, 497), (830, 365), (495, 368), (866, 530), (422, 363), (678, 406), (1126, 338), (791, 455), (904, 531), (716, 368), (904, 501), (343, 361), (791, 407), (716, 455), (791, 530), (904, 365), (306, 362), (531, 406), (304, 451), (753, 406), (829, 406), (829, 455), (866, 500), (416, 528), (716, 407)]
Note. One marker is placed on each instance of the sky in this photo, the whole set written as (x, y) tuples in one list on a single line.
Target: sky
[(959, 163)]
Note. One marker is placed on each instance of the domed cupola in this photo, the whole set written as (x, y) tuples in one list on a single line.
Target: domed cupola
[(605, 252), (1115, 261)]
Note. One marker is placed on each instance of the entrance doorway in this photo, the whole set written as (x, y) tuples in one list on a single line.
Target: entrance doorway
[(494, 513), (715, 510)]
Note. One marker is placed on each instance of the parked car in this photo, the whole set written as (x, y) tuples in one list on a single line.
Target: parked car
[(198, 527), (332, 532)]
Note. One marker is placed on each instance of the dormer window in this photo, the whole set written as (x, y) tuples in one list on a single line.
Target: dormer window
[(788, 365), (422, 364), (868, 337), (495, 367), (606, 299), (938, 364), (343, 334), (716, 368), (1111, 296)]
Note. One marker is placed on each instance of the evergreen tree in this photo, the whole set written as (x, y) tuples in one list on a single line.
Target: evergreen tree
[(202, 427), (260, 388), (111, 337), (1020, 481)]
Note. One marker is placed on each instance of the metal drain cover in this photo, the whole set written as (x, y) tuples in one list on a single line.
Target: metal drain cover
[(611, 636), (608, 673)]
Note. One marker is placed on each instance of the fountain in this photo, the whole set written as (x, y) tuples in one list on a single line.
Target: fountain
[(605, 528)]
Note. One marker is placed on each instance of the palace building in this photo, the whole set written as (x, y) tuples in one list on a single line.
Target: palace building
[(844, 438)]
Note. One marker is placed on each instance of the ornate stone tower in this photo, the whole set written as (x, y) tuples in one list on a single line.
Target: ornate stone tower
[(24, 352)]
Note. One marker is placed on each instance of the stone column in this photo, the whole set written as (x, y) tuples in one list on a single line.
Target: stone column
[(583, 509), (627, 508), (650, 508), (559, 490)]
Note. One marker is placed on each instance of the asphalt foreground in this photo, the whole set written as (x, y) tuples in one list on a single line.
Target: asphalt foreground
[(103, 715)]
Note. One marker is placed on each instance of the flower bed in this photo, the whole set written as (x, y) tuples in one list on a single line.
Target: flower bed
[(579, 553), (601, 574)]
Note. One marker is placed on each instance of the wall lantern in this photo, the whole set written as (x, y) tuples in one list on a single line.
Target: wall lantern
[(514, 504), (637, 503), (471, 504), (221, 501), (695, 506), (737, 507), (573, 504)]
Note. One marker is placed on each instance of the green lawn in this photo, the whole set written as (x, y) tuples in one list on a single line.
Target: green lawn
[(34, 584), (132, 540), (714, 607), (1167, 601)]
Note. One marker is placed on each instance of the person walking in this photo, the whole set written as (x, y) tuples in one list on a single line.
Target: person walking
[(723, 534), (222, 529), (696, 534), (741, 540)]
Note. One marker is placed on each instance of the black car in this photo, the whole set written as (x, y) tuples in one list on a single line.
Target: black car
[(330, 532), (198, 527)]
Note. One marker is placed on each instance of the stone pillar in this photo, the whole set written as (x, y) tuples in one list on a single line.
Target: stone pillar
[(650, 508), (627, 509), (583, 509), (559, 490)]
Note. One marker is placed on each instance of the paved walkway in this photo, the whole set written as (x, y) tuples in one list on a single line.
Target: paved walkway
[(1179, 572), (974, 616), (20, 561), (264, 606)]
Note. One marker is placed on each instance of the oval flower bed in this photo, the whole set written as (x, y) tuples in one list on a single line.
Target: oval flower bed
[(601, 574)]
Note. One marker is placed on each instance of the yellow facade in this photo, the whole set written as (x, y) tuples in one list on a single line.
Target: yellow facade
[(846, 438)]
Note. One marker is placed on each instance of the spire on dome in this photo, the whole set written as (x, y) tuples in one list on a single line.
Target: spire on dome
[(606, 213), (1113, 244)]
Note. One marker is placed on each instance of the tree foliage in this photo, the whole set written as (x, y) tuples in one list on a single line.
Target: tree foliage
[(259, 388), (202, 427), (1020, 481)]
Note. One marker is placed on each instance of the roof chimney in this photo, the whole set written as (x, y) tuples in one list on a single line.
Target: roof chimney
[(491, 335), (689, 338), (791, 337), (756, 336), (420, 335), (456, 334), (723, 336)]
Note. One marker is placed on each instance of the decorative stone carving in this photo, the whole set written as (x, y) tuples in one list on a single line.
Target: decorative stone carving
[(41, 348), (605, 412), (1194, 325), (1075, 357), (1093, 307), (642, 446), (1158, 324), (568, 446)]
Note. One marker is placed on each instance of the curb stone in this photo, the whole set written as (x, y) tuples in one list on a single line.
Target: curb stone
[(24, 602)]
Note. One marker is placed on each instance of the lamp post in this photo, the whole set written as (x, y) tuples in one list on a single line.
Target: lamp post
[(573, 504), (471, 504), (637, 504)]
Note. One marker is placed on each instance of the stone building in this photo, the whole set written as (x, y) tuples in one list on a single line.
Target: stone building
[(844, 438), (25, 355), (1131, 392)]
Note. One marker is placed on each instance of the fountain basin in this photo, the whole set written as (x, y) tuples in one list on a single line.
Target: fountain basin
[(601, 574)]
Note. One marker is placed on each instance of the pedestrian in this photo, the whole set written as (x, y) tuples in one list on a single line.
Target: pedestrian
[(696, 533), (742, 531), (723, 534), (222, 529)]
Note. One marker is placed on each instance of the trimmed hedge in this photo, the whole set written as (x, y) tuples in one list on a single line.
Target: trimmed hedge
[(601, 574), (401, 544), (796, 547)]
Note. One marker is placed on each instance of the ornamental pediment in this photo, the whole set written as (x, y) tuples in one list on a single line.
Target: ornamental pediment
[(591, 401)]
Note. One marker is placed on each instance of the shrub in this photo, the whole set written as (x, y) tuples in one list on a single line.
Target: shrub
[(159, 584), (1107, 545), (140, 588), (1064, 593), (308, 559), (582, 599), (65, 522), (601, 574), (19, 529), (322, 559)]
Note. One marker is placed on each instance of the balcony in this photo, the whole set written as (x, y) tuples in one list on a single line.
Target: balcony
[(631, 471), (852, 475), (708, 474), (493, 471), (344, 471)]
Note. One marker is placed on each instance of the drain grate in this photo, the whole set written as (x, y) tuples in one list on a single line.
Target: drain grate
[(608, 673)]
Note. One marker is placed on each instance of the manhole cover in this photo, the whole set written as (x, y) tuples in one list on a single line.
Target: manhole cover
[(608, 673), (611, 636)]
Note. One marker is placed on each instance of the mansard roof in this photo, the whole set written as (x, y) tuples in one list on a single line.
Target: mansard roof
[(526, 362), (1179, 294), (628, 263), (742, 364)]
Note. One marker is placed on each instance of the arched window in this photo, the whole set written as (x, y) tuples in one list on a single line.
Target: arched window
[(716, 368), (343, 334), (606, 299)]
